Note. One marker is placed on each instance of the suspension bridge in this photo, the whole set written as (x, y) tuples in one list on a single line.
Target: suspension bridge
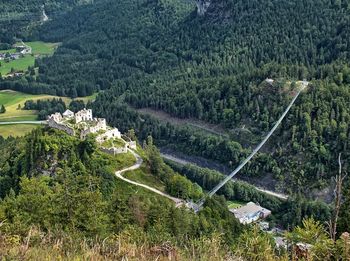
[(201, 202)]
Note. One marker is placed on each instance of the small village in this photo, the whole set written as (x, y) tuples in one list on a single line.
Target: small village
[(21, 50), (82, 124)]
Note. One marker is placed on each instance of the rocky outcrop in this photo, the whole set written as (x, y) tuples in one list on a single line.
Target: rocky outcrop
[(202, 6), (216, 11)]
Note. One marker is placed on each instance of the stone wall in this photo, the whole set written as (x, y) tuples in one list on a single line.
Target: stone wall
[(114, 151), (60, 126)]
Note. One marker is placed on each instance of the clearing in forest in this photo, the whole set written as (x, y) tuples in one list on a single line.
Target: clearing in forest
[(21, 63), (16, 130)]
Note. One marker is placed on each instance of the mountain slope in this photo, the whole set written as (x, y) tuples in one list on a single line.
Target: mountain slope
[(162, 55), (61, 184), (18, 18)]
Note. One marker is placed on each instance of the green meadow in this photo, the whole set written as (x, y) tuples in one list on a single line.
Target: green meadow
[(234, 204), (41, 48), (22, 64), (16, 130), (8, 51)]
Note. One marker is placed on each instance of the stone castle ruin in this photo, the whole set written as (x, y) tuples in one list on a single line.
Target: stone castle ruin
[(83, 123), (55, 121), (83, 120)]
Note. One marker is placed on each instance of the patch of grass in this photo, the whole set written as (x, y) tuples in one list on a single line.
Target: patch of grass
[(24, 117), (117, 143), (88, 98), (121, 161), (144, 176), (21, 64), (11, 100), (8, 51), (16, 130), (234, 204), (41, 48)]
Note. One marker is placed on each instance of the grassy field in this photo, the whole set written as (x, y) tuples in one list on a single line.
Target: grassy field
[(16, 130), (41, 48), (234, 204), (22, 64), (8, 51), (144, 176), (121, 161), (11, 100)]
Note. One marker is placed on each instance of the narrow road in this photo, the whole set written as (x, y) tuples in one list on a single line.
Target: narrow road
[(23, 122), (185, 162), (137, 165)]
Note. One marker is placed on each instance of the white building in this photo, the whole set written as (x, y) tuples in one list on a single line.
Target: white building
[(250, 213), (269, 81), (56, 117), (83, 115), (68, 114), (113, 134)]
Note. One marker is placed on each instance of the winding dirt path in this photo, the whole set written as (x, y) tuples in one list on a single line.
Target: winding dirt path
[(137, 165)]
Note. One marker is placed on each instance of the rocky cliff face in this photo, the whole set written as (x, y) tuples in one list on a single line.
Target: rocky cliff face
[(202, 6), (216, 11)]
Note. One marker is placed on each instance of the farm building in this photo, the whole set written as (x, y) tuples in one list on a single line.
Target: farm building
[(250, 213)]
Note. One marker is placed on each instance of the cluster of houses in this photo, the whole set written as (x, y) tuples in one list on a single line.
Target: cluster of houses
[(83, 123), (9, 56), (20, 51)]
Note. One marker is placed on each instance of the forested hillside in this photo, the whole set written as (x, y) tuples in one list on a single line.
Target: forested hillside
[(161, 54), (18, 18), (61, 187), (60, 200)]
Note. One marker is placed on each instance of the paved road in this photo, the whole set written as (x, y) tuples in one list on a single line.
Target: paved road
[(185, 162), (23, 122), (137, 165)]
